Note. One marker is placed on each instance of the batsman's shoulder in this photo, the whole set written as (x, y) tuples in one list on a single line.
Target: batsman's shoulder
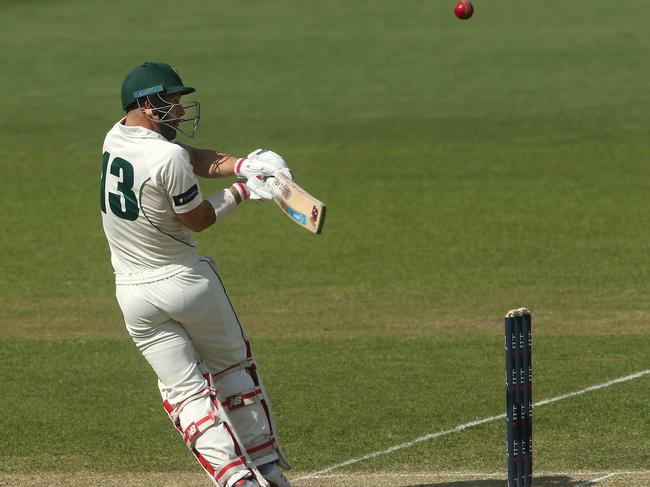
[(179, 151), (166, 159), (185, 147), (169, 152)]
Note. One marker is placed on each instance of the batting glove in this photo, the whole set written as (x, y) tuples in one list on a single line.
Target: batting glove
[(259, 189), (260, 162)]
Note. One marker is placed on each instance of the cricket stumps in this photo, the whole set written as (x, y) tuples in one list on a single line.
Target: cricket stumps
[(519, 400)]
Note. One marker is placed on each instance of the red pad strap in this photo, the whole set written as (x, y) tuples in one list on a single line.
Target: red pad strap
[(228, 370), (263, 446), (242, 399), (168, 406), (196, 429), (240, 462), (174, 411), (204, 462)]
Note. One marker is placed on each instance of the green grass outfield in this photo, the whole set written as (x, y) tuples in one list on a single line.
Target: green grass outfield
[(468, 167)]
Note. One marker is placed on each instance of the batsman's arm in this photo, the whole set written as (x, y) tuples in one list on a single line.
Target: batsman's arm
[(214, 208), (199, 218), (209, 163)]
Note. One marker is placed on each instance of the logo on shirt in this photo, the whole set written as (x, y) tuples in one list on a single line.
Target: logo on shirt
[(187, 196)]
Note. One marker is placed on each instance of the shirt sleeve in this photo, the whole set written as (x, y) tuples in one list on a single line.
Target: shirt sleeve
[(181, 184)]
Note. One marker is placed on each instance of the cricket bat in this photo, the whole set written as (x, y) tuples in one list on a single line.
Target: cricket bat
[(297, 204)]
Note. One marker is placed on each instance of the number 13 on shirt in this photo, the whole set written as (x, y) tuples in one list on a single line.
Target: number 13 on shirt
[(124, 203)]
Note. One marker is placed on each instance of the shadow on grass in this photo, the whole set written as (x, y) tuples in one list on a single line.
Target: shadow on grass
[(548, 481)]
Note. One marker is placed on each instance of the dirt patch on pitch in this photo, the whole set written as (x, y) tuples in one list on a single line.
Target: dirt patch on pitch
[(94, 479), (463, 479), (447, 479), (62, 318), (342, 316)]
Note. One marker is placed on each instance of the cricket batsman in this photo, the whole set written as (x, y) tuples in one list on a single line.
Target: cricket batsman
[(175, 306)]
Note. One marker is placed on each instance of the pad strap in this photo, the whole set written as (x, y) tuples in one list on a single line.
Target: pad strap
[(174, 411), (228, 469), (266, 448), (197, 428), (245, 364), (242, 399)]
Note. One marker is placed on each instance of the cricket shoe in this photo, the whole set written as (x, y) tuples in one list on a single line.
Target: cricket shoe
[(273, 475)]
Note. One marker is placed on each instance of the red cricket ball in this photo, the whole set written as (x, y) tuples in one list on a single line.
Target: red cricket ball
[(464, 9)]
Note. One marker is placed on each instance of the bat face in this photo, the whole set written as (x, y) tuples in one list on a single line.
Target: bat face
[(297, 204), (283, 189)]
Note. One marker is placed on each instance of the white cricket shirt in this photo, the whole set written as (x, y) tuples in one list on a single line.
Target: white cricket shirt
[(145, 181)]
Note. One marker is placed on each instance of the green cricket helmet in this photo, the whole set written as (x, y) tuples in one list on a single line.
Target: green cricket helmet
[(150, 81)]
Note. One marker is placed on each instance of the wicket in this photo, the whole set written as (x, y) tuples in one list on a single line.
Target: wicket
[(519, 401)]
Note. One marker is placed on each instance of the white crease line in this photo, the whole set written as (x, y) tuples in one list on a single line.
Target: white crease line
[(429, 475), (465, 426), (594, 388), (451, 474), (430, 436), (594, 481)]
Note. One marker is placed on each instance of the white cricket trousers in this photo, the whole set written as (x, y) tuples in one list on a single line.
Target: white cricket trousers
[(183, 324)]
